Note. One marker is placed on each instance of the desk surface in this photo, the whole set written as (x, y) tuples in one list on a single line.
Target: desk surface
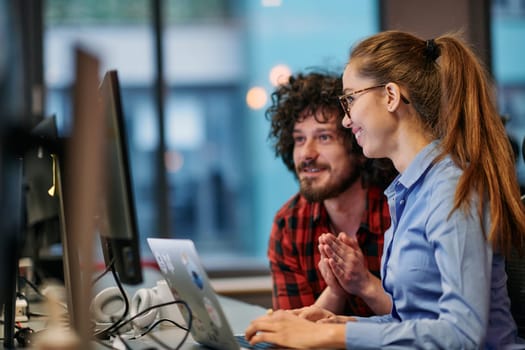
[(238, 313)]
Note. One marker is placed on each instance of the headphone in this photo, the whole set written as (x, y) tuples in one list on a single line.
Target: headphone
[(109, 305), (143, 299)]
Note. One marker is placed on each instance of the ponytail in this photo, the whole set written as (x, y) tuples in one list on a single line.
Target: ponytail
[(472, 132)]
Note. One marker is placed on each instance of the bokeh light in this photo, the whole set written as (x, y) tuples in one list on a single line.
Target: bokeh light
[(256, 97), (279, 74)]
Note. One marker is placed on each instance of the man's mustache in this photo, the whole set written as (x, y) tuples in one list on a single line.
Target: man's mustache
[(310, 164)]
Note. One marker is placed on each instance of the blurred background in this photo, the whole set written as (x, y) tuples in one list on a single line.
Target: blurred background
[(196, 78)]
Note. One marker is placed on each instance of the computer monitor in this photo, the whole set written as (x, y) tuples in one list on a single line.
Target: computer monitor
[(13, 121), (42, 238), (118, 222), (80, 175), (86, 202)]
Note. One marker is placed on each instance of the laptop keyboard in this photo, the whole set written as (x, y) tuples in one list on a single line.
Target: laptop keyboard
[(243, 343)]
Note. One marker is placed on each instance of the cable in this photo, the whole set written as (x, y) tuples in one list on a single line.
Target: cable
[(33, 286), (150, 328), (117, 324), (40, 294), (108, 268), (147, 332), (124, 342), (146, 310), (103, 343), (113, 330)]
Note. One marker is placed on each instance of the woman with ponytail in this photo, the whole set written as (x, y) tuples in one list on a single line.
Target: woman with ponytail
[(429, 106)]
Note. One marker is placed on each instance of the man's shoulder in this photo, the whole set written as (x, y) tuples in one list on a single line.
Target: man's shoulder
[(376, 199), (375, 191), (377, 215)]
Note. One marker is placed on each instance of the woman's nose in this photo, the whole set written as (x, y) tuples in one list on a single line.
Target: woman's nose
[(347, 121)]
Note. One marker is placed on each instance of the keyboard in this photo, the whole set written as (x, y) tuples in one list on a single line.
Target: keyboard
[(243, 343)]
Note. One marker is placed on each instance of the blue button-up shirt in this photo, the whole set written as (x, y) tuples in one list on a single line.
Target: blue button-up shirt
[(447, 286)]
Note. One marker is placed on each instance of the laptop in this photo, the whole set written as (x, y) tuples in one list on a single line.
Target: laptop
[(181, 267)]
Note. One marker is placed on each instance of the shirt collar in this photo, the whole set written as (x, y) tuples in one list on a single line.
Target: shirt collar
[(419, 165)]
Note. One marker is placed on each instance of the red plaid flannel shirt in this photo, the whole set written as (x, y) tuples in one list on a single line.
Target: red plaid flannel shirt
[(294, 256)]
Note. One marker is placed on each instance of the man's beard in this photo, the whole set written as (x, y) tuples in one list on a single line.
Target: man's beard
[(331, 190)]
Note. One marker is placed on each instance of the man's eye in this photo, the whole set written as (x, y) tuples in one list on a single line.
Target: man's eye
[(325, 137), (298, 139)]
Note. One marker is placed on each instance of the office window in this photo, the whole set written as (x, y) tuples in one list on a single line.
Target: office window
[(223, 181), (508, 28)]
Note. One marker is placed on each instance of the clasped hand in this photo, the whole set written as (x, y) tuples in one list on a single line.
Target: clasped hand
[(342, 264)]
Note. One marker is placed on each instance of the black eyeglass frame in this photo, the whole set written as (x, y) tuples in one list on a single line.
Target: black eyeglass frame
[(347, 100)]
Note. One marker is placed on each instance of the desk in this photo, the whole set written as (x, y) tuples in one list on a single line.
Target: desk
[(252, 290), (238, 313)]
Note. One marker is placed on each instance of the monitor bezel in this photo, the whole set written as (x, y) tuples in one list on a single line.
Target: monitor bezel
[(124, 251)]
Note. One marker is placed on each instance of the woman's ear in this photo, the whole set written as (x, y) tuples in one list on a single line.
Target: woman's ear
[(393, 92)]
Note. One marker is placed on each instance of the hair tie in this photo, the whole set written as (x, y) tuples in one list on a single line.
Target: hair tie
[(432, 51)]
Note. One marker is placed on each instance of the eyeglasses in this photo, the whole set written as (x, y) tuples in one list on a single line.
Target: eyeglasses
[(348, 99)]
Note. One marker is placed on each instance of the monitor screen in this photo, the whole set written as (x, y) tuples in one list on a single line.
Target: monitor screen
[(12, 119), (118, 223)]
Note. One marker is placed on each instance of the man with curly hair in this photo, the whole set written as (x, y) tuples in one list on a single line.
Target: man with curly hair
[(341, 192)]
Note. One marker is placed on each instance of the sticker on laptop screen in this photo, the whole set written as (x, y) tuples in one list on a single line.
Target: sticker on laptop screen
[(212, 311), (193, 271), (164, 262)]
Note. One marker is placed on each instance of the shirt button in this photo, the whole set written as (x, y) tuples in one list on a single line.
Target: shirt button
[(402, 202)]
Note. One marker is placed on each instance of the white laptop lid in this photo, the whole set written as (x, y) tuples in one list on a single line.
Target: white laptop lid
[(180, 265)]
